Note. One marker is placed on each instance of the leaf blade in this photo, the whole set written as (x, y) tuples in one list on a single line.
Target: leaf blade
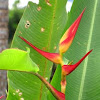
[(43, 28), (81, 82), (17, 60)]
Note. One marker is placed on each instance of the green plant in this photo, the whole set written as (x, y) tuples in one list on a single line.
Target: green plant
[(34, 29), (20, 60)]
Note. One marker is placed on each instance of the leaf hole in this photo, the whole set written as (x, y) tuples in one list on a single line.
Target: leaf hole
[(17, 90), (20, 32), (48, 3), (39, 8), (55, 48), (20, 94), (42, 29), (27, 25)]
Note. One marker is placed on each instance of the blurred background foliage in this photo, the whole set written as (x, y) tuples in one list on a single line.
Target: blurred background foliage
[(14, 17)]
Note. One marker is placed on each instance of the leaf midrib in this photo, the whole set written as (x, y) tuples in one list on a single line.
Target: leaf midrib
[(50, 35), (88, 48)]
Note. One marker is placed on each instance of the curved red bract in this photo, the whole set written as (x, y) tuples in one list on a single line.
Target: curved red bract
[(69, 35), (67, 69), (54, 57), (1, 97)]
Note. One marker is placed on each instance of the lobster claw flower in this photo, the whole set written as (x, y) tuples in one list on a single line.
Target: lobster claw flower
[(54, 57), (69, 35), (67, 69)]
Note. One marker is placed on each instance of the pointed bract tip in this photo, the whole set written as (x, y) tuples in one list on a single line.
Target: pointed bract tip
[(84, 10), (54, 57), (21, 37), (69, 35), (67, 69), (91, 50)]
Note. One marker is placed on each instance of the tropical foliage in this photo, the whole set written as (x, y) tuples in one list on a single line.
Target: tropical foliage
[(40, 29)]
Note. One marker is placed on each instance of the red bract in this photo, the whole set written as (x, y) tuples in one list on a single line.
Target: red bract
[(58, 95), (64, 44), (67, 69), (1, 97), (69, 35), (54, 57)]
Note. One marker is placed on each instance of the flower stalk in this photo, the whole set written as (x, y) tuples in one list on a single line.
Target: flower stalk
[(57, 94), (63, 83)]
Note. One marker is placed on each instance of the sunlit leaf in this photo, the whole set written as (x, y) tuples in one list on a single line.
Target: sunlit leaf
[(18, 60)]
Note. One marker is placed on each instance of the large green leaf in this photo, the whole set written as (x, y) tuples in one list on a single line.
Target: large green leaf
[(18, 60), (84, 82), (42, 25)]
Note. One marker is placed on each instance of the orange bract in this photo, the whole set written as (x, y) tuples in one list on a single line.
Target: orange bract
[(69, 35)]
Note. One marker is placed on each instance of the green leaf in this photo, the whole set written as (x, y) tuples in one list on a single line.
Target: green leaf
[(18, 60), (42, 25), (84, 82), (56, 80)]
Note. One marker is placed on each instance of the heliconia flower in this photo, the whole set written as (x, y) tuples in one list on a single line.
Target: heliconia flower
[(67, 69), (54, 57), (69, 35), (1, 97), (57, 94)]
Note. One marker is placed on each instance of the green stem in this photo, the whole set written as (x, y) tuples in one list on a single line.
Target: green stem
[(63, 78), (63, 83)]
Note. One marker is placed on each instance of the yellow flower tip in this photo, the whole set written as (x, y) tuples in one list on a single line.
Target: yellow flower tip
[(69, 35)]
